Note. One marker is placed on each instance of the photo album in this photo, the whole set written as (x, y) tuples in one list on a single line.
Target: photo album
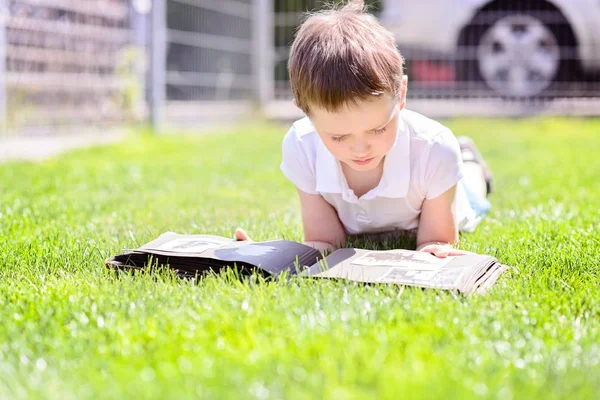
[(197, 255)]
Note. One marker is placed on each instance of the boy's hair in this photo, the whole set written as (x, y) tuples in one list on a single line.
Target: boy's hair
[(341, 55)]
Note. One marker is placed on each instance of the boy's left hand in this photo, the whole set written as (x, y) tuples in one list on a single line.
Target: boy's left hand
[(444, 250)]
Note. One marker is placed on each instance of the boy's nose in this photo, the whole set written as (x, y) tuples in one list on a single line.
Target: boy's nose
[(361, 149)]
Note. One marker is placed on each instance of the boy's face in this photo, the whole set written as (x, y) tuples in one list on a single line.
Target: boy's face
[(361, 134)]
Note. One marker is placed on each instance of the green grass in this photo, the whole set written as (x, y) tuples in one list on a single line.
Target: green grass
[(70, 330)]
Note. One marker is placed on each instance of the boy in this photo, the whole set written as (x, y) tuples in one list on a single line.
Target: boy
[(360, 161)]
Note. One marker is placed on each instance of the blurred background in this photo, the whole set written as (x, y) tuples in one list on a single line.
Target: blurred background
[(79, 65)]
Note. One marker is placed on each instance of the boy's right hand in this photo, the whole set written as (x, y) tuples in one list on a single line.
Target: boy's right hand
[(241, 235)]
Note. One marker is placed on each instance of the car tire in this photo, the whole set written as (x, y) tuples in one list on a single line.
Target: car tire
[(516, 54)]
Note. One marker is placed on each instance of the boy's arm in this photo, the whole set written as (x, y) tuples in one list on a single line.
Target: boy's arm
[(322, 227), (438, 231)]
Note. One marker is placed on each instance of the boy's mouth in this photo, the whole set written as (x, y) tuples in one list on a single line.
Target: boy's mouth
[(363, 161)]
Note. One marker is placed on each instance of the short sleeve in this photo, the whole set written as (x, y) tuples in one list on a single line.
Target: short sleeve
[(444, 165), (296, 162)]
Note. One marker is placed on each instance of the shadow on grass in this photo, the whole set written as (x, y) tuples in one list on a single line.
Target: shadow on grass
[(384, 241)]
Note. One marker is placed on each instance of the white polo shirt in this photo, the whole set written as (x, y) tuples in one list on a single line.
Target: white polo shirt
[(423, 163)]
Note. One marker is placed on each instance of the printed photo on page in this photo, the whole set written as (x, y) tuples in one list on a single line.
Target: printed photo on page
[(409, 276), (401, 258), (423, 277)]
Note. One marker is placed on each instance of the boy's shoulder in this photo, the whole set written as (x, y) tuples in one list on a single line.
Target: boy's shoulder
[(303, 127), (302, 134), (302, 137), (430, 140), (422, 127)]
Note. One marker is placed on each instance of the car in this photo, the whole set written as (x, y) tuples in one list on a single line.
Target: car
[(516, 48)]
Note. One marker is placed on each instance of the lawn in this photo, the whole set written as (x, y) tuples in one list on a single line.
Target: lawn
[(70, 330)]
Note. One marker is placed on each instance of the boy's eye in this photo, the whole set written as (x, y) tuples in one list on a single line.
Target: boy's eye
[(379, 131), (338, 138)]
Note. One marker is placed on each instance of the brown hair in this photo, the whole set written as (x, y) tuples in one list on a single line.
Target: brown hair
[(343, 54)]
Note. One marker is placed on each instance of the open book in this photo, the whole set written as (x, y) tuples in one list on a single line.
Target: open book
[(196, 255)]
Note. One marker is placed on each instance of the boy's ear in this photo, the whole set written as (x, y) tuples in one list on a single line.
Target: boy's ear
[(296, 104), (403, 92)]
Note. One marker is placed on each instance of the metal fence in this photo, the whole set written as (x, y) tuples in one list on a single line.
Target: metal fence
[(479, 57), (211, 53), (67, 63), (73, 63)]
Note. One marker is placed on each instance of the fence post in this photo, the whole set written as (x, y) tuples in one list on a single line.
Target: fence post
[(158, 63), (263, 51), (140, 12), (4, 12)]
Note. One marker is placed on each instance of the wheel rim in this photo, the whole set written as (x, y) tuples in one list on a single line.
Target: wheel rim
[(518, 56)]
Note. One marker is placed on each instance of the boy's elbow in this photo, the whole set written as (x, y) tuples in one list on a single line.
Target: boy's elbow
[(335, 241), (321, 245)]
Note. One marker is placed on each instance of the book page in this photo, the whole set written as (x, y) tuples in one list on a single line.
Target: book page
[(403, 259), (444, 278), (410, 276), (189, 245)]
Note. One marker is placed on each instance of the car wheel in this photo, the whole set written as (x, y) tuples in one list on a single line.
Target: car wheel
[(516, 54)]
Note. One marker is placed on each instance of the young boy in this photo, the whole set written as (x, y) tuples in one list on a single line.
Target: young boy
[(360, 161)]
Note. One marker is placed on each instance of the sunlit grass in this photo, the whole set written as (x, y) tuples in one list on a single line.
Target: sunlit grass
[(69, 329)]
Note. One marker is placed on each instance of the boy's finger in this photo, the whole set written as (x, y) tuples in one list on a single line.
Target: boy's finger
[(441, 253), (457, 252), (437, 251), (241, 235)]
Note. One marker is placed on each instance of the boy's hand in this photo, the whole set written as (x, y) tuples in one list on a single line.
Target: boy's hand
[(241, 235), (442, 250)]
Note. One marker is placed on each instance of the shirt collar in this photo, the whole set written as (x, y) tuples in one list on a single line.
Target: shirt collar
[(396, 170)]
